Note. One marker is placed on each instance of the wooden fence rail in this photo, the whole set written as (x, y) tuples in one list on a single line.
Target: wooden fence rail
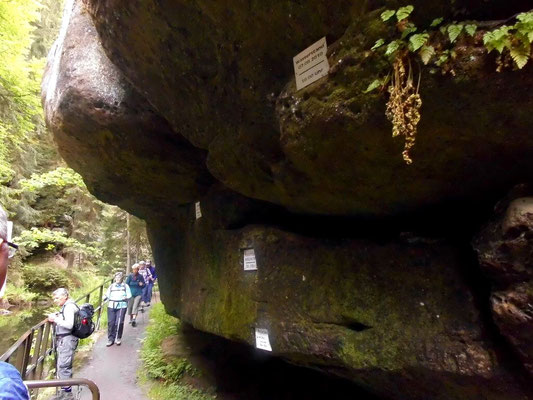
[(30, 351)]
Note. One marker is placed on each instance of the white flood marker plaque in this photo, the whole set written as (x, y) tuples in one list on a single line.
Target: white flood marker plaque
[(249, 261), (261, 339), (198, 210), (311, 64)]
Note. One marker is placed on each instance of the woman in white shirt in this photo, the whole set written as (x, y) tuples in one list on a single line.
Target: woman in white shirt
[(118, 295)]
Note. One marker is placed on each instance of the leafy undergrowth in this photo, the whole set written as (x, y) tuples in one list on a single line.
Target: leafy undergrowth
[(165, 376)]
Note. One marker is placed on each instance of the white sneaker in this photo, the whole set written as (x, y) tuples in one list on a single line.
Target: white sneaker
[(118, 342)]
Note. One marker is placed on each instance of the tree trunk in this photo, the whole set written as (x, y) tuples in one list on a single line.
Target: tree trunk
[(70, 260)]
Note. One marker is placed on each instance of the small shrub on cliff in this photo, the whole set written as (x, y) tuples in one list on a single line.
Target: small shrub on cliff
[(44, 279)]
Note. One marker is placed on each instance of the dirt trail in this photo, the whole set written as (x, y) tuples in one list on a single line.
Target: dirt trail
[(114, 369)]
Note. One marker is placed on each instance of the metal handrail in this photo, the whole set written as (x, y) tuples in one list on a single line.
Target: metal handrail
[(66, 382)]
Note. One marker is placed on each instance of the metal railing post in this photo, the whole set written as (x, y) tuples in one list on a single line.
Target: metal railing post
[(100, 303), (66, 382)]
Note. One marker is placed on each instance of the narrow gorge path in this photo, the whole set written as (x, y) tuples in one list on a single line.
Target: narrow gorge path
[(114, 369)]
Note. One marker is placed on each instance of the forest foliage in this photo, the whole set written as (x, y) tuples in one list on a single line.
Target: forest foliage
[(55, 217)]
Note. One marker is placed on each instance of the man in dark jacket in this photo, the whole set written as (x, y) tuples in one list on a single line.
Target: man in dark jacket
[(136, 283)]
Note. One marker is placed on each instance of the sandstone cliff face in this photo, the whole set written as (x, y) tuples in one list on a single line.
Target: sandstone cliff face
[(162, 104)]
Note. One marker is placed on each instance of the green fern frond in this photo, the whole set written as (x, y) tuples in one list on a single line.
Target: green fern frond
[(378, 44), (404, 12), (471, 29), (417, 41), (426, 52), (454, 31), (387, 14), (520, 55)]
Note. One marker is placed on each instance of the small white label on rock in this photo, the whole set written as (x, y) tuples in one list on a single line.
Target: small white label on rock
[(311, 64), (250, 263), (9, 230), (198, 210), (261, 339)]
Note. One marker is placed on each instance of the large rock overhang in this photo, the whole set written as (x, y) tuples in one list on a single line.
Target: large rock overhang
[(200, 105)]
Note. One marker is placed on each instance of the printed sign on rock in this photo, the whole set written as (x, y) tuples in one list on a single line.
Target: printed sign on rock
[(311, 64), (261, 339)]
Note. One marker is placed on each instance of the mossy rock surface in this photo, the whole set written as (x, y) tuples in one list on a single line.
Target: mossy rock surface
[(221, 74), (126, 152), (395, 317)]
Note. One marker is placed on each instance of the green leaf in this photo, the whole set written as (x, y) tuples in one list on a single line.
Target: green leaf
[(525, 17), (442, 30), (454, 31), (417, 41), (497, 39), (436, 22), (410, 28), (392, 47), (378, 44), (404, 12), (387, 14), (442, 59), (520, 55), (471, 29), (373, 85), (426, 52)]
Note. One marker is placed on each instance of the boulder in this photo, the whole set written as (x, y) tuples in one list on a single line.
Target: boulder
[(221, 74), (128, 154)]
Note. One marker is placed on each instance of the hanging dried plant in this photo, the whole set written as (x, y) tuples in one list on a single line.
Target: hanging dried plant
[(403, 106)]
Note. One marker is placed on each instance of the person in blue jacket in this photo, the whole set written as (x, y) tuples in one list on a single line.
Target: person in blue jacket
[(11, 385), (136, 283)]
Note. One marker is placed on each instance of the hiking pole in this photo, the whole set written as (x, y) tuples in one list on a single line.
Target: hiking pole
[(118, 325)]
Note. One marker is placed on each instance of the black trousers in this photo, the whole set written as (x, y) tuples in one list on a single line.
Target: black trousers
[(115, 318)]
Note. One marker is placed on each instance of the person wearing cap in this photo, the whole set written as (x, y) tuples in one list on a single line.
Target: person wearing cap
[(136, 283), (65, 342), (11, 385), (118, 294)]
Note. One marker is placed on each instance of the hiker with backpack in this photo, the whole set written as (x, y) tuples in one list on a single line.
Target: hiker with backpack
[(136, 283), (66, 342), (118, 295)]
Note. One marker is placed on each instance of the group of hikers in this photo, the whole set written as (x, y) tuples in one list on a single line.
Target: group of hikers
[(126, 297), (123, 298)]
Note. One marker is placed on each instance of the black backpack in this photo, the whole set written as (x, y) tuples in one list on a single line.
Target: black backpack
[(83, 321)]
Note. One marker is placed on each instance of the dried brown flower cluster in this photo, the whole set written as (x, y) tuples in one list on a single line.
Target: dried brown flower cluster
[(403, 107)]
